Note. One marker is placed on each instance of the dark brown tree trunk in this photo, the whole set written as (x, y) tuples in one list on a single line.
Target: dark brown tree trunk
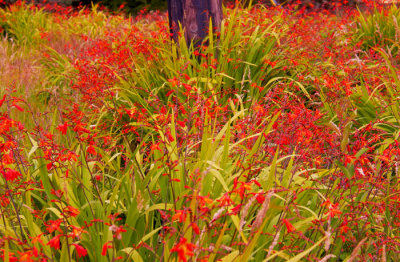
[(194, 17)]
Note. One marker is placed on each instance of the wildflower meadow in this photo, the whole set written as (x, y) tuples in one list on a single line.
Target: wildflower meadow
[(276, 139)]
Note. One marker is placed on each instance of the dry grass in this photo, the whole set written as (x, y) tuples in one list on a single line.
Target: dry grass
[(18, 70)]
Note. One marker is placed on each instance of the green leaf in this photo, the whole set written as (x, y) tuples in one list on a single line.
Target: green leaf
[(133, 254), (230, 257), (305, 253)]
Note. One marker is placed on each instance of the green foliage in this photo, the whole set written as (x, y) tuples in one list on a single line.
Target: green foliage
[(246, 66), (25, 25), (379, 29), (134, 6)]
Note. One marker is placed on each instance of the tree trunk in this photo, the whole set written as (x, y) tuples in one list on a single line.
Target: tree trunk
[(194, 17)]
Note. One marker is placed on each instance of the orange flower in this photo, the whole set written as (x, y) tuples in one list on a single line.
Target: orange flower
[(76, 232), (332, 208), (63, 128), (54, 225), (289, 226), (81, 251), (184, 249), (195, 228), (71, 211), (91, 150), (37, 239), (2, 100), (105, 247), (55, 242), (180, 215), (11, 174)]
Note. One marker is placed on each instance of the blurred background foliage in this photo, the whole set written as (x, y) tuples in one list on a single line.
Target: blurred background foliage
[(134, 6)]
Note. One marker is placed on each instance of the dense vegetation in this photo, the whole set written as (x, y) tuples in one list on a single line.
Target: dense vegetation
[(135, 6), (276, 141)]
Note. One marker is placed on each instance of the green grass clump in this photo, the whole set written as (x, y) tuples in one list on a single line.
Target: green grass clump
[(243, 62), (379, 29), (25, 25)]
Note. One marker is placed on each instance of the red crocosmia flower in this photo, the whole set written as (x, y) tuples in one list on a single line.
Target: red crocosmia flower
[(289, 226), (55, 242), (105, 247), (63, 128), (76, 232), (184, 249), (49, 166), (70, 156), (225, 200), (4, 201), (236, 209), (11, 256), (174, 82), (54, 225), (256, 183), (48, 135), (180, 215), (154, 147), (26, 256), (344, 228), (58, 193), (80, 129), (7, 159), (196, 228), (81, 251), (35, 252), (117, 231), (18, 107), (333, 210), (2, 100), (71, 211), (37, 239), (11, 174), (260, 198), (91, 150)]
